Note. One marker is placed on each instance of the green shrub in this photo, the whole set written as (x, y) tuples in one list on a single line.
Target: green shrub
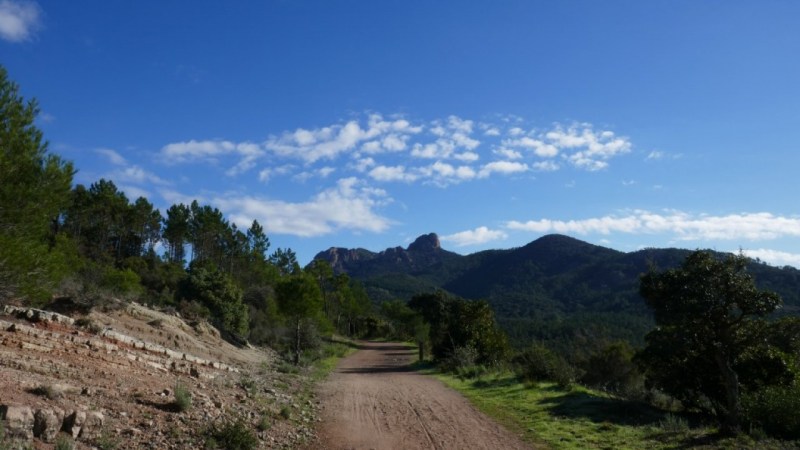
[(538, 363), (64, 442), (183, 398), (264, 424), (775, 410), (460, 358), (233, 434), (286, 413), (674, 424)]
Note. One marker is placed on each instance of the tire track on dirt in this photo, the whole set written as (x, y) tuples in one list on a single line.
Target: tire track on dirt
[(375, 401)]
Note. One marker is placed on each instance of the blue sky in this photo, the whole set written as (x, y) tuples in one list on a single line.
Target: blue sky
[(365, 124)]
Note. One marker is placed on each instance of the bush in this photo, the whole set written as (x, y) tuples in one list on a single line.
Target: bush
[(538, 363), (183, 398), (674, 424), (233, 435), (63, 442), (612, 368), (775, 410), (217, 292), (461, 358)]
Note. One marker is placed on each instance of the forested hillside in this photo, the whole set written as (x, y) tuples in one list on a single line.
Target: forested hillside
[(556, 288)]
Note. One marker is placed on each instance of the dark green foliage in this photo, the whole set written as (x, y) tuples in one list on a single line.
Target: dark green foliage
[(538, 363), (34, 190), (216, 291), (557, 289), (611, 368), (299, 297), (232, 435), (775, 410), (455, 322), (707, 312), (183, 397)]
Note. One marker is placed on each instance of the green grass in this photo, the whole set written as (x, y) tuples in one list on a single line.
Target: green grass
[(547, 416), (333, 351)]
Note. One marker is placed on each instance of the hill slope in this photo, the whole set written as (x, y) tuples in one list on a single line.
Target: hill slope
[(556, 287)]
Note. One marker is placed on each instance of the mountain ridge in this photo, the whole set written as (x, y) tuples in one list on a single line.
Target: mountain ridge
[(553, 285)]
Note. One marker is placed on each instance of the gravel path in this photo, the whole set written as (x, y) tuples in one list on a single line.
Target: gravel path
[(374, 401)]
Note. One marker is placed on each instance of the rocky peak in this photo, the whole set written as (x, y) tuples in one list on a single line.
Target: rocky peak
[(425, 244)]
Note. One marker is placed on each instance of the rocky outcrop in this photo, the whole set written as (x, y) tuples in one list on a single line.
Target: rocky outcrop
[(424, 252), (94, 383)]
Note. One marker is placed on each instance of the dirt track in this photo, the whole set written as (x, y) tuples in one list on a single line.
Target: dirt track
[(374, 401)]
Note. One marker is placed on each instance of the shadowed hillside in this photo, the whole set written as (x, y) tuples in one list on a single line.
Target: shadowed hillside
[(554, 288)]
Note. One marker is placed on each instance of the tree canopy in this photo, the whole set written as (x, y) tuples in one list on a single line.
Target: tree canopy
[(708, 314)]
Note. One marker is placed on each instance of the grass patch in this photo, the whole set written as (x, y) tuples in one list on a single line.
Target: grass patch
[(183, 397), (333, 350), (577, 418)]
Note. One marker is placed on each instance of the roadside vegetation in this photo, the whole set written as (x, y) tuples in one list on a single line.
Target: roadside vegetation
[(715, 372), (718, 369)]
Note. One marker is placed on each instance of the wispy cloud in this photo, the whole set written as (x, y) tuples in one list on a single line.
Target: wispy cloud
[(682, 226), (378, 136), (349, 205), (19, 20), (392, 173), (211, 151), (112, 155), (439, 152), (774, 257), (658, 155), (480, 235)]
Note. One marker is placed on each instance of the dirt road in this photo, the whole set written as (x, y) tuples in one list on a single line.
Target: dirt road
[(374, 401)]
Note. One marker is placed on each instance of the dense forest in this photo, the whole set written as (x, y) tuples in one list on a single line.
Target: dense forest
[(557, 289), (698, 328)]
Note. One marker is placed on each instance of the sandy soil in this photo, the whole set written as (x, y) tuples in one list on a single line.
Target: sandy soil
[(374, 401)]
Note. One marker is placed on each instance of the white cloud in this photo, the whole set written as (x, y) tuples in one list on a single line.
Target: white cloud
[(266, 174), (112, 156), (443, 174), (480, 235), (349, 205), (492, 131), (175, 197), (503, 167), (545, 166), (134, 192), (363, 164), (656, 155), (137, 175), (19, 20), (595, 148), (441, 149), (507, 153), (392, 173), (683, 226), (329, 142), (467, 156), (211, 151), (538, 147), (774, 257), (516, 131), (325, 171)]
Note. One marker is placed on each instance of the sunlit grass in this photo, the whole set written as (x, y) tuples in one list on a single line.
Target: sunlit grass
[(550, 417)]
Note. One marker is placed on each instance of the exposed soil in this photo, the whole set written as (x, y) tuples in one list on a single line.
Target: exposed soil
[(374, 400), (123, 369)]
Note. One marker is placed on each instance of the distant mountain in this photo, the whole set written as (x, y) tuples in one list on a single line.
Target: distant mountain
[(556, 287)]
